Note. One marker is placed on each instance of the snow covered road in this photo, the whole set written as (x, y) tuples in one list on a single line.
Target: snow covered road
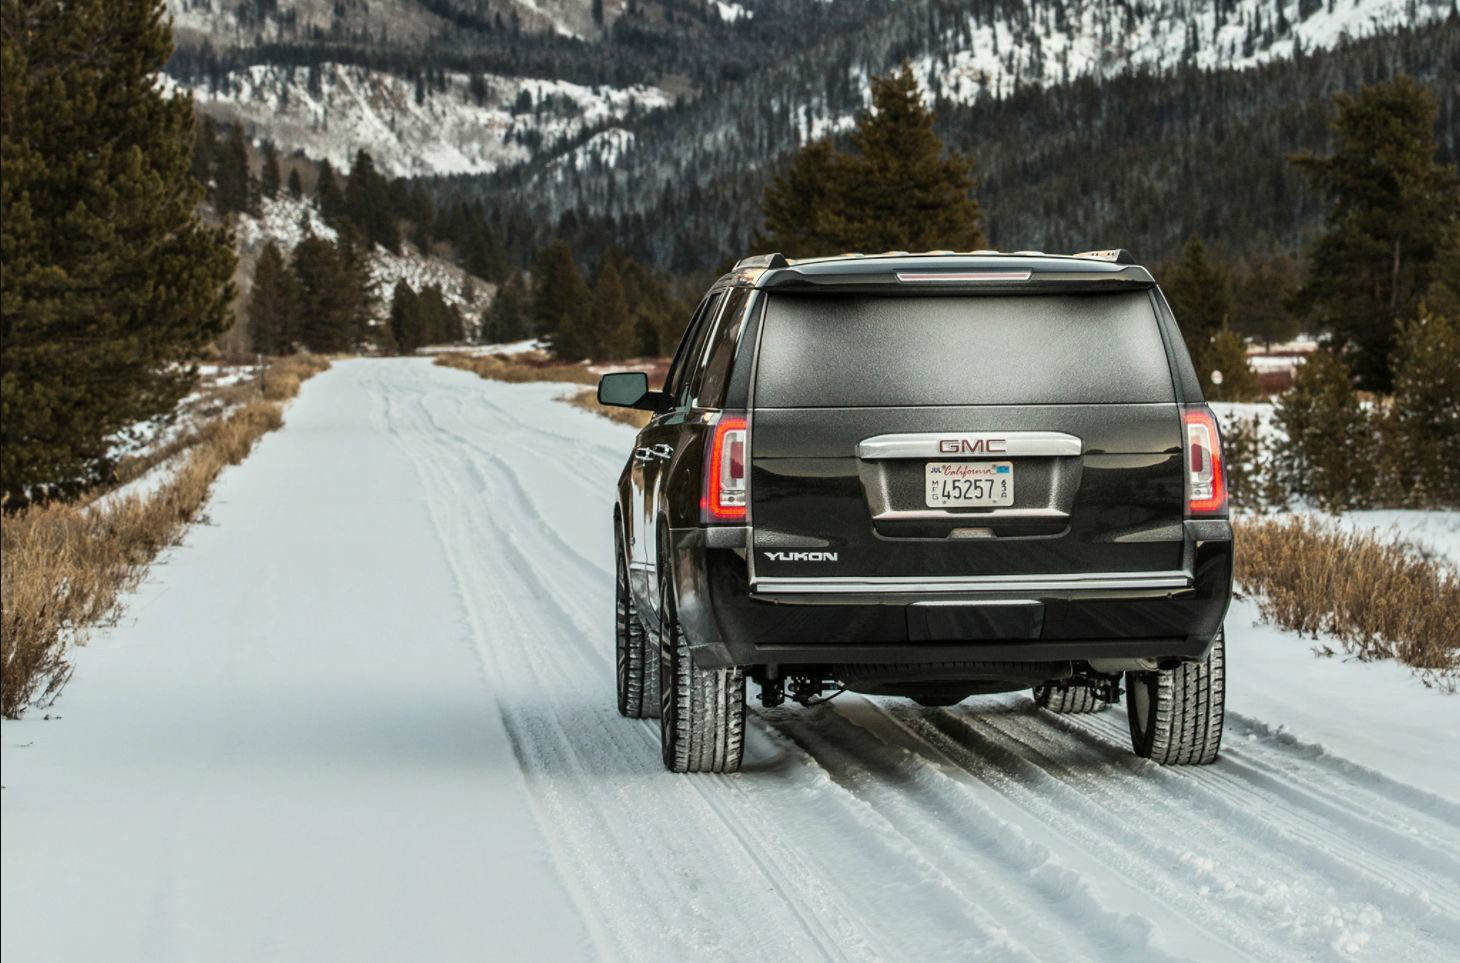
[(367, 713)]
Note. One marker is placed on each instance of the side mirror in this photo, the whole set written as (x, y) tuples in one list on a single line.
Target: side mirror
[(628, 389)]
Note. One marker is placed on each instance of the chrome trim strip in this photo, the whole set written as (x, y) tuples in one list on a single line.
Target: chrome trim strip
[(987, 444), (944, 585), (967, 518), (983, 603)]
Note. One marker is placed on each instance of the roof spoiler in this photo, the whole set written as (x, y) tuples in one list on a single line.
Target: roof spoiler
[(777, 260), (1116, 255)]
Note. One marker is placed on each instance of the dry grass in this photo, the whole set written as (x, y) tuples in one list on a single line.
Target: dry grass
[(1381, 600), (282, 378), (587, 399), (63, 566), (529, 366), (535, 366)]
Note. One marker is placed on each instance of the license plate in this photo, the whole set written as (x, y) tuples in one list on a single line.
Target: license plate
[(964, 484)]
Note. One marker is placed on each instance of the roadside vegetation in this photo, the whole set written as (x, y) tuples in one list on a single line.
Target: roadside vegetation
[(64, 564), (537, 366), (1380, 599)]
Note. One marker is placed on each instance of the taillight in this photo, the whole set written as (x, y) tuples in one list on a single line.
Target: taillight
[(724, 487), (1206, 483)]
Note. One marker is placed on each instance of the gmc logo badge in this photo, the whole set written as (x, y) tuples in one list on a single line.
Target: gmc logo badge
[(978, 446), (801, 556)]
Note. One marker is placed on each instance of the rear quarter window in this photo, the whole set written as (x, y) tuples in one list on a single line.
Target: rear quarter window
[(896, 351)]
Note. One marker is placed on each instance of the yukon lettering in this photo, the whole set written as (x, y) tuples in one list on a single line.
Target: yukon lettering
[(801, 556)]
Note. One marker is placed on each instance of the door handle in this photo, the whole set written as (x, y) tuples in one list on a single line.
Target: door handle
[(662, 451)]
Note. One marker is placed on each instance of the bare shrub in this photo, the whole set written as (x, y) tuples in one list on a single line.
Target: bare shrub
[(1381, 599), (63, 566)]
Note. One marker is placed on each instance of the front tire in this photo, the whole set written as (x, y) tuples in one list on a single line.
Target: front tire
[(636, 652), (702, 711), (1176, 715)]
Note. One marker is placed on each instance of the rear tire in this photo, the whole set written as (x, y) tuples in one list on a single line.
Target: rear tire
[(1068, 699), (636, 652), (1176, 715), (702, 711)]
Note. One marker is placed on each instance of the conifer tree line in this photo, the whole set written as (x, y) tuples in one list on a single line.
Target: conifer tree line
[(112, 282), (1381, 282), (321, 300), (1142, 161), (419, 318)]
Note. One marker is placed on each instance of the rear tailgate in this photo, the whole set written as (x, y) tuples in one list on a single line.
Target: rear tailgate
[(1060, 406)]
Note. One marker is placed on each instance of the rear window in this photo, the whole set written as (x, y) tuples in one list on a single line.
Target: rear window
[(863, 351)]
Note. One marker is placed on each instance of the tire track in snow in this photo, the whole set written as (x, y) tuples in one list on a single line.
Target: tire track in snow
[(944, 803), (621, 891), (1304, 888), (959, 911)]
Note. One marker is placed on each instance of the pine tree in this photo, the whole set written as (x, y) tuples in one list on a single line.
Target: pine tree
[(1443, 296), (405, 319), (273, 304), (505, 319), (613, 328), (296, 186), (1227, 353), (367, 205), (1198, 293), (236, 190), (896, 190), (1392, 211), (658, 321), (1260, 299), (335, 294), (1426, 408), (439, 323), (796, 202), (111, 282), (269, 177), (205, 148), (561, 303), (1326, 458), (327, 194)]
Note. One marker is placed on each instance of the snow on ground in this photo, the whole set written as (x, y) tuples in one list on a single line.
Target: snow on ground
[(367, 713), (1374, 714), (411, 131)]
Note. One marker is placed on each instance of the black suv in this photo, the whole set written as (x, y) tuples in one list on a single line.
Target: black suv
[(925, 475)]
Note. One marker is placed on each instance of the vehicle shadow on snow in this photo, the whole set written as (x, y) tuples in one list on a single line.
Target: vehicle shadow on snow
[(992, 739)]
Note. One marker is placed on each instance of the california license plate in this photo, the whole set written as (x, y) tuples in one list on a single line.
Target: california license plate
[(965, 484)]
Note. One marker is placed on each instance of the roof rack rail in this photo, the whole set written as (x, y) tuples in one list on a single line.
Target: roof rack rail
[(1119, 255), (776, 260)]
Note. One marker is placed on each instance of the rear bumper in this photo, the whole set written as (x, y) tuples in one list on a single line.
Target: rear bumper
[(1108, 615)]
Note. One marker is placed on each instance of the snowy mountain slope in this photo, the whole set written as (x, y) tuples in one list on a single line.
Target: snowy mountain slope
[(412, 128), (473, 125), (286, 221), (241, 22), (418, 756), (1056, 41)]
